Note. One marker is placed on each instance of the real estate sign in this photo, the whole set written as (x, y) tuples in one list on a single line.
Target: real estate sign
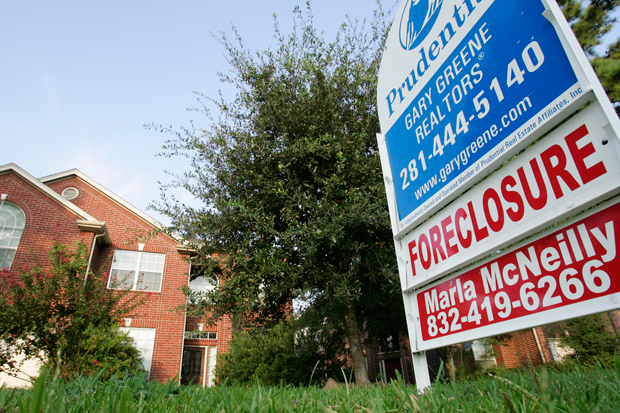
[(494, 106)]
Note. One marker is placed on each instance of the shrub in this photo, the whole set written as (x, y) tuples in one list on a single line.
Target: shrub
[(288, 353), (104, 347), (592, 339), (55, 311)]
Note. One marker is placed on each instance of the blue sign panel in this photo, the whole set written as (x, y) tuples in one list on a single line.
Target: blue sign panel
[(506, 76)]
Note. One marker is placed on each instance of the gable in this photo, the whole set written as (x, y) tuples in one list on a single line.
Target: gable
[(124, 220)]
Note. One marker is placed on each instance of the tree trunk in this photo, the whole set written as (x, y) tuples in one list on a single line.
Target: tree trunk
[(355, 344)]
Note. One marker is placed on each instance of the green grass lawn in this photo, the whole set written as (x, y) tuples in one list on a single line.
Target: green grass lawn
[(582, 390)]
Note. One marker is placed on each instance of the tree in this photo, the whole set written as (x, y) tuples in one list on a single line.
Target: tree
[(590, 21), (290, 179), (55, 316)]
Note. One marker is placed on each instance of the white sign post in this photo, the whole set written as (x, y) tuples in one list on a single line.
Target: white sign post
[(464, 86)]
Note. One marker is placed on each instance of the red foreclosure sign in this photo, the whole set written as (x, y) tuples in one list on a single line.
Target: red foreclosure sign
[(568, 272)]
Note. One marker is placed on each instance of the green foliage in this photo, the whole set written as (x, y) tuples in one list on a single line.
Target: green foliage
[(590, 21), (52, 313), (592, 339), (104, 349), (265, 356), (284, 354), (577, 391), (291, 185), (608, 70)]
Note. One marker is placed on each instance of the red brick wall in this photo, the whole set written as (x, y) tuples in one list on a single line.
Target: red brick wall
[(519, 350), (160, 310), (46, 221)]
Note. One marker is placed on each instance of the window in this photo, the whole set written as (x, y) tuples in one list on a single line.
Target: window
[(211, 360), (484, 355), (12, 223), (390, 344), (136, 270), (201, 334), (200, 283), (144, 339)]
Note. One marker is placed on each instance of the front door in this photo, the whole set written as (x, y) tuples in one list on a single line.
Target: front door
[(193, 359), (391, 366)]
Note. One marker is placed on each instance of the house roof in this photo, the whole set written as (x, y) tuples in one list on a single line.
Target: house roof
[(76, 172), (111, 195), (85, 221)]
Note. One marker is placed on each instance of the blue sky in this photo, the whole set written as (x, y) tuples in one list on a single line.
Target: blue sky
[(78, 80)]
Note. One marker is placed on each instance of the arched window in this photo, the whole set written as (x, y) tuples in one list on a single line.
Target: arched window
[(12, 223), (201, 283)]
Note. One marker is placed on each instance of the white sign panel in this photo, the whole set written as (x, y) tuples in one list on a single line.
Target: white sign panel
[(460, 79), (568, 272), (575, 166)]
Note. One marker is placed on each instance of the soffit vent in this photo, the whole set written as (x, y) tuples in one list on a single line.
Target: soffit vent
[(70, 193)]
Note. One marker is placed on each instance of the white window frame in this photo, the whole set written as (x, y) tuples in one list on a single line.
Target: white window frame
[(211, 361), (196, 295), (4, 227), (484, 356), (202, 335), (134, 286)]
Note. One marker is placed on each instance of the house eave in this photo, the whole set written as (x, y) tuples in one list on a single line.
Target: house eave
[(98, 228)]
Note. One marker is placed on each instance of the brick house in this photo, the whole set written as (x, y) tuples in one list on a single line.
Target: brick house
[(120, 241)]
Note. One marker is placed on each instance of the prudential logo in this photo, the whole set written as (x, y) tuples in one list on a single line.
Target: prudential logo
[(417, 20)]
